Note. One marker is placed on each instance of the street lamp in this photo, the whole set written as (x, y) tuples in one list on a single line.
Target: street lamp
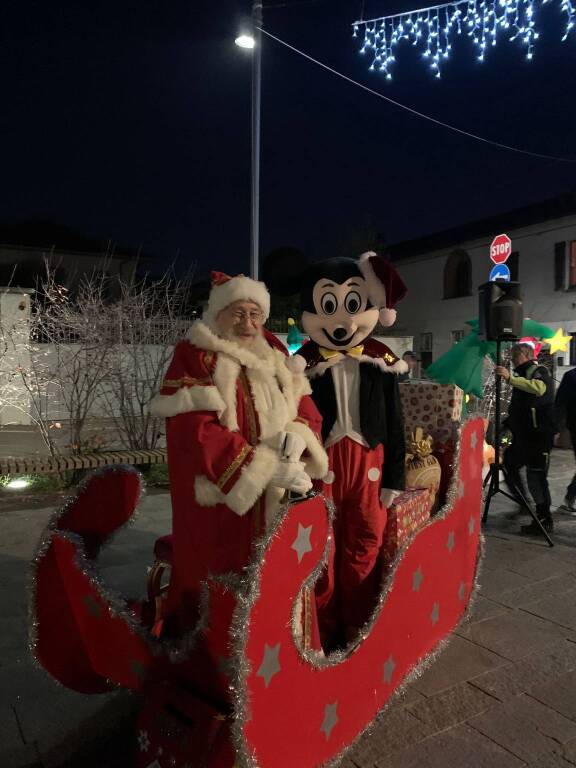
[(254, 41), (245, 41)]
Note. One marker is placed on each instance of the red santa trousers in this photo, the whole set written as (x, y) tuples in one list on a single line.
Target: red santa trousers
[(348, 592)]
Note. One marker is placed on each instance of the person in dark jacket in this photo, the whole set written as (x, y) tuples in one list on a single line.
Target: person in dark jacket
[(566, 418), (411, 361), (532, 424)]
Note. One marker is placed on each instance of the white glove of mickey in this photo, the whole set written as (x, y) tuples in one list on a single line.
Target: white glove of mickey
[(291, 446), (387, 496), (291, 476)]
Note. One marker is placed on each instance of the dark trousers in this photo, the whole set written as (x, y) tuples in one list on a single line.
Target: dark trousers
[(535, 456), (571, 490)]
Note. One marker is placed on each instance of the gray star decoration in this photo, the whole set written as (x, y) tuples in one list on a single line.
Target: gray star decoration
[(143, 741), (330, 719), (417, 579), (389, 668), (461, 489), (450, 542), (461, 591), (471, 526), (474, 440), (270, 664), (301, 543), (435, 615)]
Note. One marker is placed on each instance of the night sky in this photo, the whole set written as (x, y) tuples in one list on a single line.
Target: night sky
[(130, 121)]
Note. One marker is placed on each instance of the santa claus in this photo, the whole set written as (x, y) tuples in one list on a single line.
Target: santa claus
[(241, 430)]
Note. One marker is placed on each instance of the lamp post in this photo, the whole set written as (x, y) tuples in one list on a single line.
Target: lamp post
[(254, 41)]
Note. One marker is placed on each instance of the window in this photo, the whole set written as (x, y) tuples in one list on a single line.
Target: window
[(457, 275), (572, 360), (456, 336), (426, 340), (426, 343), (565, 266), (572, 265), (560, 266)]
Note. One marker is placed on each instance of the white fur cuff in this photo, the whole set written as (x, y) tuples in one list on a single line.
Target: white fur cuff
[(198, 398), (248, 488)]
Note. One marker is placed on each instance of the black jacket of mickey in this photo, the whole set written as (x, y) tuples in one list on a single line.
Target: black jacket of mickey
[(381, 417)]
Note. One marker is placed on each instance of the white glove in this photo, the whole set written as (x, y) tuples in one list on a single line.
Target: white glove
[(387, 496), (292, 446), (291, 476)]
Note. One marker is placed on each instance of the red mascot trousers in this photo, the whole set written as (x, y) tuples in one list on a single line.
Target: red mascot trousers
[(348, 593)]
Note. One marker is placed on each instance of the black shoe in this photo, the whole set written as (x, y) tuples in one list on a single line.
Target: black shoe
[(534, 529)]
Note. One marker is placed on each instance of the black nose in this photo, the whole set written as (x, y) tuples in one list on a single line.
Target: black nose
[(339, 333)]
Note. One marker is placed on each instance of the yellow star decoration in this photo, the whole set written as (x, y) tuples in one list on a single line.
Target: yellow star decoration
[(558, 342)]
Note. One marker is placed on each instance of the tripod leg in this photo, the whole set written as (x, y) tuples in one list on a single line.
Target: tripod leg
[(528, 508), (493, 473)]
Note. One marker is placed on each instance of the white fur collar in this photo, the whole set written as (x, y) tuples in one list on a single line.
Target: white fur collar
[(261, 356), (400, 366)]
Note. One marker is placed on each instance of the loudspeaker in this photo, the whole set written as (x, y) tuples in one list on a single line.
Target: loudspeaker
[(500, 311)]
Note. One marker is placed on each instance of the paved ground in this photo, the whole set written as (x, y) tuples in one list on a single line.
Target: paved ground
[(503, 693)]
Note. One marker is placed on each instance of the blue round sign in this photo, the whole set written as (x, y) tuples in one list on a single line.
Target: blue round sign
[(500, 272)]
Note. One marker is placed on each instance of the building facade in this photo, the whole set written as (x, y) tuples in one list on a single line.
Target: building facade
[(443, 273)]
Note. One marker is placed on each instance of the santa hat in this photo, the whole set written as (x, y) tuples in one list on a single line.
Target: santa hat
[(385, 286), (226, 290)]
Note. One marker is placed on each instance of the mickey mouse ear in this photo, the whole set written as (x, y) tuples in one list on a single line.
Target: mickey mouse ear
[(283, 269)]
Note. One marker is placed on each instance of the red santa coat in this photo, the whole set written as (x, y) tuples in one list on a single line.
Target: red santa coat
[(225, 405)]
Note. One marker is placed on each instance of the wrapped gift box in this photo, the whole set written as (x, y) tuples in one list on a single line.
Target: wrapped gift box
[(437, 408), (410, 511)]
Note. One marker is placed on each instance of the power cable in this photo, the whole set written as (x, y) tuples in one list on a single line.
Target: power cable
[(416, 112)]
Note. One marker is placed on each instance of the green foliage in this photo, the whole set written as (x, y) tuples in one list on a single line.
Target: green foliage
[(157, 475)]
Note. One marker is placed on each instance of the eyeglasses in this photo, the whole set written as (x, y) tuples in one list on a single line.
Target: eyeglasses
[(256, 318)]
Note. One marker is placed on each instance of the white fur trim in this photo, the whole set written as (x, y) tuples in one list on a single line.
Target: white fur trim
[(316, 463), (251, 484), (260, 355), (238, 288), (187, 399), (225, 376), (325, 365), (296, 364), (273, 502), (376, 290), (387, 317), (400, 366)]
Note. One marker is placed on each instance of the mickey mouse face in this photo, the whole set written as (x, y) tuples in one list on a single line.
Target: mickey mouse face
[(342, 316)]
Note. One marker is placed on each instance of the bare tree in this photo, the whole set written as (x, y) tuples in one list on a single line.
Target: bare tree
[(150, 318), (28, 379), (94, 357), (75, 332)]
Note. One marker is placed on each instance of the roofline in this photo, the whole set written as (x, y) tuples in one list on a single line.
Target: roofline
[(67, 252), (557, 207)]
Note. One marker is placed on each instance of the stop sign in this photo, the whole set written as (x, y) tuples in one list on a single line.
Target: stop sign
[(500, 249)]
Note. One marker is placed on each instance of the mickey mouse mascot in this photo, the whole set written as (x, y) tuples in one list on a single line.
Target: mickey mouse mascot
[(356, 391)]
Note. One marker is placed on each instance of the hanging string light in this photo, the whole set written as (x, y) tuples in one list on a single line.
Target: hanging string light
[(432, 29)]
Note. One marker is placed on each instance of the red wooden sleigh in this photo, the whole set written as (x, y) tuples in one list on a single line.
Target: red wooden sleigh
[(287, 706)]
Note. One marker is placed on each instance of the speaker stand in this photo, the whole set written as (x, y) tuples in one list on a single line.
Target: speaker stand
[(493, 476)]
